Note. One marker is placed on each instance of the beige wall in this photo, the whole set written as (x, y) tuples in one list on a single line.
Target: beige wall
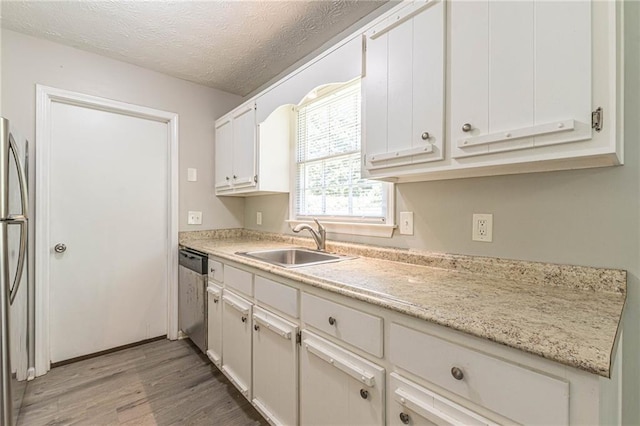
[(584, 217), (27, 61)]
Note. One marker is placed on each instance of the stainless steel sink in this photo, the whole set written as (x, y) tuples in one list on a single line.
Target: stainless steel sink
[(293, 257)]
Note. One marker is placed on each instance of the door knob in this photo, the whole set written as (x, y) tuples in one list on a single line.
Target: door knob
[(60, 248)]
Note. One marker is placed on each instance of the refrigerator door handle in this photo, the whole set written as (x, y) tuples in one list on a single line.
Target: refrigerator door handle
[(13, 292), (22, 179), (19, 219)]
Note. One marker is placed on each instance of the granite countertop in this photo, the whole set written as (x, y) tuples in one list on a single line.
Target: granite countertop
[(568, 314)]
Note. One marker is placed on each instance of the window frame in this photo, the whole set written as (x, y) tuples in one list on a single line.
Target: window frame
[(352, 225)]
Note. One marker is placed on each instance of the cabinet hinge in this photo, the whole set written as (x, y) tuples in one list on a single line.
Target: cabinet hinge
[(299, 338), (596, 119), (255, 178)]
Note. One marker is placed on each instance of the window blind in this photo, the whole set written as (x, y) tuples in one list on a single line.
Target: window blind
[(328, 181)]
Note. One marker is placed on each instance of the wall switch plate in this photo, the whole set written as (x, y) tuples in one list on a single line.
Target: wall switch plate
[(194, 218), (259, 218), (406, 223), (482, 228), (192, 175)]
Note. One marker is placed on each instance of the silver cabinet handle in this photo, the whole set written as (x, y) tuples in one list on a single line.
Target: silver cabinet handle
[(60, 248), (425, 136), (457, 373), (404, 418), (332, 321), (466, 127)]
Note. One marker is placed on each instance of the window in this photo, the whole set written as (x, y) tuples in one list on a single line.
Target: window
[(327, 160)]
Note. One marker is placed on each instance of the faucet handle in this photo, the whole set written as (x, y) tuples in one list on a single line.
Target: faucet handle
[(320, 227)]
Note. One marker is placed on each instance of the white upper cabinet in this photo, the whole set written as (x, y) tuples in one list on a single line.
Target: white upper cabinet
[(520, 75), (519, 86), (244, 147), (403, 89), (224, 153), (247, 154)]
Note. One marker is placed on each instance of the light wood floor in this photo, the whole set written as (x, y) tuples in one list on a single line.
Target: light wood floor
[(159, 383)]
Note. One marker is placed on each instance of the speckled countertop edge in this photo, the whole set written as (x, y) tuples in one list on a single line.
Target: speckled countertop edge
[(544, 309)]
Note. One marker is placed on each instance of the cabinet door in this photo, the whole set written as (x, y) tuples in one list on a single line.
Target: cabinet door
[(214, 323), (275, 367), (244, 146), (224, 153), (520, 75), (404, 88), (338, 387), (236, 341)]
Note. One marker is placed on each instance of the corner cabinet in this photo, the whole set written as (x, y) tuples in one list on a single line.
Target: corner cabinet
[(246, 153), (527, 86), (403, 89)]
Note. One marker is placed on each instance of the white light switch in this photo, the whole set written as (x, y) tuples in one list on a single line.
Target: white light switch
[(194, 218), (192, 175), (406, 223)]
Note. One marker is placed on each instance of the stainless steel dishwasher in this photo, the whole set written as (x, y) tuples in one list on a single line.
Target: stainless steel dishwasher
[(192, 300)]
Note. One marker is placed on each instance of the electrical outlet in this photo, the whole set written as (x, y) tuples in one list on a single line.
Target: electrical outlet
[(259, 218), (192, 175), (482, 228), (406, 223), (194, 218)]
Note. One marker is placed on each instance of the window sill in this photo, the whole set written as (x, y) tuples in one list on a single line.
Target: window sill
[(352, 228)]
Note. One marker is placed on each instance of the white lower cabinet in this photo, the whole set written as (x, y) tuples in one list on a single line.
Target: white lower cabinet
[(236, 341), (214, 323), (412, 404), (338, 387), (334, 371), (275, 367)]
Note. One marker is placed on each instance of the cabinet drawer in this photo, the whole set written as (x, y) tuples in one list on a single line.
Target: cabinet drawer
[(412, 403), (276, 295), (357, 328), (495, 384), (238, 280), (216, 271)]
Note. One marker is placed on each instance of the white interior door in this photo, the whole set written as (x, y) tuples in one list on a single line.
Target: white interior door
[(109, 206)]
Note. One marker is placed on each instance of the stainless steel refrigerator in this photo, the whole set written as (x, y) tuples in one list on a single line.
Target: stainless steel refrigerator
[(14, 315)]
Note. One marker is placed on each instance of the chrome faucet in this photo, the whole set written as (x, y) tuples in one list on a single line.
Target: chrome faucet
[(319, 236)]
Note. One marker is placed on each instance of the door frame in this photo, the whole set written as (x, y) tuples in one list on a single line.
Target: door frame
[(45, 97)]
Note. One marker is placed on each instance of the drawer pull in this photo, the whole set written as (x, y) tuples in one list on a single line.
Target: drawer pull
[(213, 270), (466, 127), (243, 319), (332, 321), (256, 327), (457, 373), (364, 394), (404, 418)]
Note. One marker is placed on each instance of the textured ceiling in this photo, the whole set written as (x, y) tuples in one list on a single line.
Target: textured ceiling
[(236, 46)]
